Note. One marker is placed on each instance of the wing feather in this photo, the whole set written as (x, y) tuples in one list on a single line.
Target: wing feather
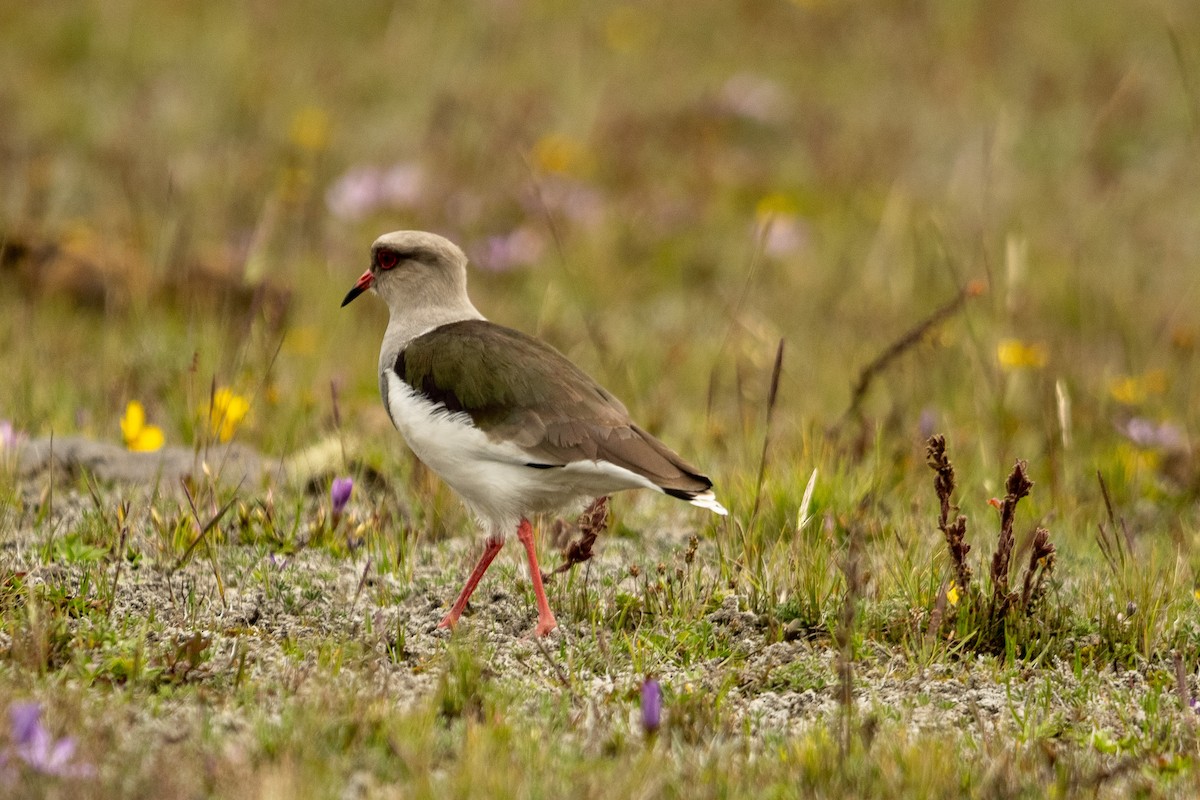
[(518, 388)]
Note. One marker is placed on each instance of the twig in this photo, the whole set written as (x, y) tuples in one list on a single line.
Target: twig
[(907, 341), (362, 581)]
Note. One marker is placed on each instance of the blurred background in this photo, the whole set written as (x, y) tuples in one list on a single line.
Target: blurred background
[(664, 191)]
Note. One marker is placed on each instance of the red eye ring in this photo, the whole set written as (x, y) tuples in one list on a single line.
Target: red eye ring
[(387, 259)]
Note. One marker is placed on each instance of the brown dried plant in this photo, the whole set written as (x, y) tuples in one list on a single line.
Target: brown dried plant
[(1016, 487), (592, 522), (1042, 553), (954, 530), (1041, 563)]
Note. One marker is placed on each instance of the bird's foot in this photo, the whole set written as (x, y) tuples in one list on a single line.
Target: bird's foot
[(545, 624)]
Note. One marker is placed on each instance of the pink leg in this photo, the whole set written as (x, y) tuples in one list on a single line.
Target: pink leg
[(494, 544), (546, 621)]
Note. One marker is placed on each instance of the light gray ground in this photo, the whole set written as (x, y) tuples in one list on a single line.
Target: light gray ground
[(268, 616)]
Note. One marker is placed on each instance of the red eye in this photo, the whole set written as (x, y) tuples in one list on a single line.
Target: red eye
[(387, 259)]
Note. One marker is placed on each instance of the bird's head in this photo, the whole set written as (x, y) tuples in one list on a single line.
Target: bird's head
[(414, 269)]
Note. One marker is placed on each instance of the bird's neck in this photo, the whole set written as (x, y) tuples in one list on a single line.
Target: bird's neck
[(404, 326)]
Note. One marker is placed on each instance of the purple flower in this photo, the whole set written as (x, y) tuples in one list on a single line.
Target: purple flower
[(363, 190), (574, 200), (339, 494), (651, 706), (10, 437), (1150, 436), (927, 423), (753, 97), (34, 745), (520, 248)]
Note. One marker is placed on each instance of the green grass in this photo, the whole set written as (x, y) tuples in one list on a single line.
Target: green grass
[(1045, 152)]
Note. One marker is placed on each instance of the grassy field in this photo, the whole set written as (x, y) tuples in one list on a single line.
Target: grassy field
[(798, 239)]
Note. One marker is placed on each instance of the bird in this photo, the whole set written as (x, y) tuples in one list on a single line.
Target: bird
[(503, 418)]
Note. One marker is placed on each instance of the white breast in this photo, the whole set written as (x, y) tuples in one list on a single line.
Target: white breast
[(491, 476)]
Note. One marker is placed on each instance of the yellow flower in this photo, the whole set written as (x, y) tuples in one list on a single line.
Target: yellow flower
[(1132, 390), (952, 593), (776, 204), (139, 436), (302, 340), (1134, 460), (227, 412), (561, 155), (1014, 354), (310, 129), (1196, 593)]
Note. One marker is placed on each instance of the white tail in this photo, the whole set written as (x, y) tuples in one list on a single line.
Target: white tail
[(708, 500)]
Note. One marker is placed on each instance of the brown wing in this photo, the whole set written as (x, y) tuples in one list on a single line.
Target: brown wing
[(518, 388)]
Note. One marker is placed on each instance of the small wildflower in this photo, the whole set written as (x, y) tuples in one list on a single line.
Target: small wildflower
[(651, 706), (1013, 354), (1196, 593), (559, 154), (784, 233), (10, 437), (1133, 390), (339, 494), (927, 422), (301, 340), (139, 436), (775, 204), (952, 593), (227, 412), (752, 97), (364, 190), (34, 745), (310, 129), (1135, 460), (1164, 436), (520, 248), (576, 201)]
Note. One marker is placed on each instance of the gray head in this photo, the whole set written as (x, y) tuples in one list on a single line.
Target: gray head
[(415, 270)]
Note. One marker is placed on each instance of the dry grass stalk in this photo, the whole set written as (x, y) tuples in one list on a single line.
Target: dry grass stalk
[(935, 618), (845, 637), (1115, 549), (903, 344), (772, 396), (955, 531)]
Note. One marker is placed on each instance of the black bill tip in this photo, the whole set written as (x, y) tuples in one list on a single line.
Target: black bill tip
[(353, 293)]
